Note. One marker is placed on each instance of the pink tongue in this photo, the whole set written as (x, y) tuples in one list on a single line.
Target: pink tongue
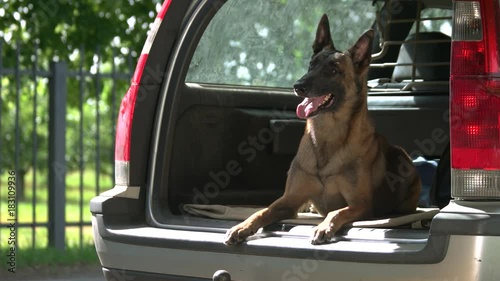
[(308, 107)]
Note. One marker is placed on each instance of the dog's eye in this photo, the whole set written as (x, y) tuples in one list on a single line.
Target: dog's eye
[(334, 69), (333, 66)]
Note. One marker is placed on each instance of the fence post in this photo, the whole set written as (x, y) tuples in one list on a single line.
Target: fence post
[(57, 151)]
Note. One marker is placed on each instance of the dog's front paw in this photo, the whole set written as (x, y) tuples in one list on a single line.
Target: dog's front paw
[(322, 233), (238, 234)]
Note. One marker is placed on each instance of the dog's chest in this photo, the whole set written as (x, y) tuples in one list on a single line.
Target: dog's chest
[(330, 161), (329, 145), (336, 167), (328, 200)]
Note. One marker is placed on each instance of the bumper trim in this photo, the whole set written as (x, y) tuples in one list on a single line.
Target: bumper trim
[(119, 274)]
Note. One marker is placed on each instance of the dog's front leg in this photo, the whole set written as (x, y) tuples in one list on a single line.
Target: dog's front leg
[(334, 221), (279, 210), (299, 187)]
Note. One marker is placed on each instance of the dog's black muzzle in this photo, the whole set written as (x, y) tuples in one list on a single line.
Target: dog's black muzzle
[(300, 88)]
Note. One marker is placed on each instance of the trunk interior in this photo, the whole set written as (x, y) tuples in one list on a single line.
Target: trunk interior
[(225, 151)]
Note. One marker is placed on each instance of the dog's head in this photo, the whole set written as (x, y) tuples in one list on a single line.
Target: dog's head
[(334, 78)]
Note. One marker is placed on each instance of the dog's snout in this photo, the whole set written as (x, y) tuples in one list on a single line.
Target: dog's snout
[(299, 89)]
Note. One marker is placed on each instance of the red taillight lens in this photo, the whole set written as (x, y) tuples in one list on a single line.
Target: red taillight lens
[(475, 126), (163, 9), (475, 103), (126, 113), (467, 58), (475, 38)]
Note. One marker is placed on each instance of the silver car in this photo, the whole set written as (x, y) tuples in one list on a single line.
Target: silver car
[(207, 131)]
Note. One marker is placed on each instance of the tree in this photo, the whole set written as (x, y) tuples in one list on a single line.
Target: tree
[(62, 26), (108, 32)]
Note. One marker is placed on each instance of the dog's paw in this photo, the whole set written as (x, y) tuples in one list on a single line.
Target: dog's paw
[(237, 234), (322, 233)]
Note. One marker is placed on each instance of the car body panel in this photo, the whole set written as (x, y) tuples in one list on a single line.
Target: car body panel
[(466, 260)]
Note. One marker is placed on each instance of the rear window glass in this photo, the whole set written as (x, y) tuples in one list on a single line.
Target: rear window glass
[(268, 42), (434, 20)]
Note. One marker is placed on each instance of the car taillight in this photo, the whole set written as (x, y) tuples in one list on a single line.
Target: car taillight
[(126, 113), (475, 100)]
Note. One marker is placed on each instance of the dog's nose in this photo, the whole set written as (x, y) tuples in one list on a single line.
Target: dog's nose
[(299, 90)]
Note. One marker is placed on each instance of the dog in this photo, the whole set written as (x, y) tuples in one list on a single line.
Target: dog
[(342, 166)]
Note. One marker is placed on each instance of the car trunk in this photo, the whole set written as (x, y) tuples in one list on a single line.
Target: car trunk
[(233, 145)]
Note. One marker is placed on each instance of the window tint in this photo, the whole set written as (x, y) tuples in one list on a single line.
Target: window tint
[(268, 42)]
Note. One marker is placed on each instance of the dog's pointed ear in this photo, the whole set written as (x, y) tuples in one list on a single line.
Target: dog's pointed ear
[(361, 52), (323, 36)]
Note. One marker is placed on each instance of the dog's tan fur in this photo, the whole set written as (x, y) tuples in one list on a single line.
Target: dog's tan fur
[(347, 170)]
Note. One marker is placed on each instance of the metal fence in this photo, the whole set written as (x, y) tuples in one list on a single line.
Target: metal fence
[(57, 127)]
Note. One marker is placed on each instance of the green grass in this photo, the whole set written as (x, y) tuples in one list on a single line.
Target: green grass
[(40, 254), (37, 252), (49, 256), (32, 257)]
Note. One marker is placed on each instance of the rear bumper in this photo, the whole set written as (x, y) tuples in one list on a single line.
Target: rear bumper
[(461, 246), (115, 274)]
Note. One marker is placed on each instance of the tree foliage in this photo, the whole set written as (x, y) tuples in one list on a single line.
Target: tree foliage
[(62, 26), (91, 34)]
